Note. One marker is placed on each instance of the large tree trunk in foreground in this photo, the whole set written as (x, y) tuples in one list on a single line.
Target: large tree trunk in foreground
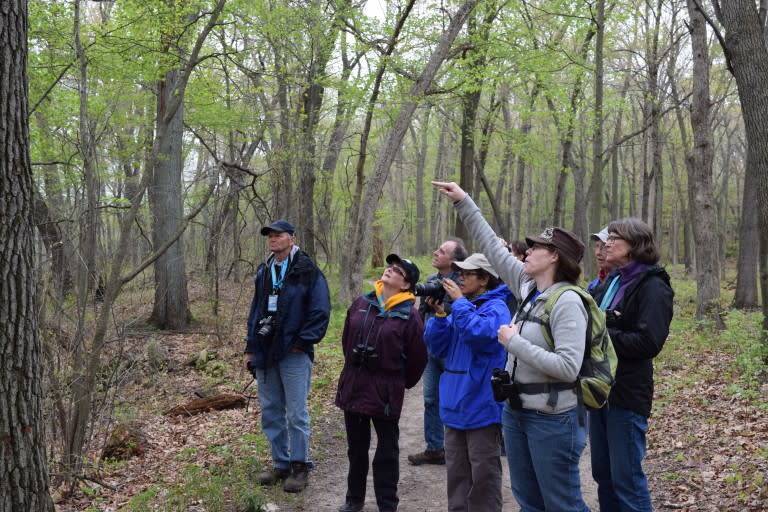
[(23, 471), (747, 54)]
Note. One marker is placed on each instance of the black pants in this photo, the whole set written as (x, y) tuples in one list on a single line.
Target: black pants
[(386, 464)]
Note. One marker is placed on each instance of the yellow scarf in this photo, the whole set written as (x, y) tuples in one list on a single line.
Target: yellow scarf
[(395, 299)]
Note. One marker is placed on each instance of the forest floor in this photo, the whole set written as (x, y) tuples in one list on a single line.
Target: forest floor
[(708, 443)]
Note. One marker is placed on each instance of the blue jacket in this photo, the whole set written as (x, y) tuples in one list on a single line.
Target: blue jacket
[(467, 338), (303, 311)]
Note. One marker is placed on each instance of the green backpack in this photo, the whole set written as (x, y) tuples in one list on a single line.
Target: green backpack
[(598, 370)]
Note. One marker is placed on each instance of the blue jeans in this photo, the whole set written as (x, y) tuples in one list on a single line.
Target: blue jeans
[(283, 391), (543, 452), (434, 432), (617, 442)]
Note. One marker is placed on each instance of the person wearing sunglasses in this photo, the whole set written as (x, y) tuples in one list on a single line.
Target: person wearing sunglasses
[(466, 339), (384, 354)]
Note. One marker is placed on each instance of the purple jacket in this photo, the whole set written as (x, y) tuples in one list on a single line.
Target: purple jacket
[(396, 337)]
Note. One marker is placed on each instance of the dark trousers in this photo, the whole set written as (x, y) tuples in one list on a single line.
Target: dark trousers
[(473, 468), (386, 465)]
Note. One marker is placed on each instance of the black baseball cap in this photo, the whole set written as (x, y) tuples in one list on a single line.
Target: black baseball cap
[(279, 226), (411, 270)]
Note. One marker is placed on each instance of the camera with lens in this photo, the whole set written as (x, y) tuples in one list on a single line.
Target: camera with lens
[(364, 356), (504, 389), (433, 288), (266, 327)]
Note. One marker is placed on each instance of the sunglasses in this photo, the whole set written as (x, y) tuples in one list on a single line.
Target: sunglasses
[(397, 270)]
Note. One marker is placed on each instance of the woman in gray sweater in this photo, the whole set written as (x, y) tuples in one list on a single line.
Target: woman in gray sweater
[(543, 436)]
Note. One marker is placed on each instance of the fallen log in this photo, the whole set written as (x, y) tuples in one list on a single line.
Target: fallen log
[(209, 403)]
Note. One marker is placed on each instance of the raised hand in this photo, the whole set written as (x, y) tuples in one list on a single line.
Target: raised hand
[(451, 190)]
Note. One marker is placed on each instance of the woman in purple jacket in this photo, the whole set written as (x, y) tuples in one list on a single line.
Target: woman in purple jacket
[(384, 353)]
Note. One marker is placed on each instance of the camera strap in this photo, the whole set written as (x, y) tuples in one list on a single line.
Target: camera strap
[(524, 315)]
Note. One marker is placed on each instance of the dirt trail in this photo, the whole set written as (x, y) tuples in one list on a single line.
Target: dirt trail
[(421, 489)]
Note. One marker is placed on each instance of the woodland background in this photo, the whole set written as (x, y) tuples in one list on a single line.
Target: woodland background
[(163, 134)]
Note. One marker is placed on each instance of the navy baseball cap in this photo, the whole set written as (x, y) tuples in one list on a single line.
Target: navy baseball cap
[(411, 270), (279, 226)]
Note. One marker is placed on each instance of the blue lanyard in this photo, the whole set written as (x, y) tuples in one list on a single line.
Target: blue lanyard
[(276, 285), (610, 293)]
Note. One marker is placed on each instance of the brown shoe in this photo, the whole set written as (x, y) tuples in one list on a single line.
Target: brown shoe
[(428, 457), (298, 479), (273, 476)]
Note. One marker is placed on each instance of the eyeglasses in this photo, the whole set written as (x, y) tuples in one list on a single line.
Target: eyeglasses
[(397, 270), (467, 273), (612, 238), (539, 246)]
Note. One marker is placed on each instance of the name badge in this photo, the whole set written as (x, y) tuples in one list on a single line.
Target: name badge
[(272, 304)]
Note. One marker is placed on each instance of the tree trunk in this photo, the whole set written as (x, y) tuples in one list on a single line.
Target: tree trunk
[(312, 100), (23, 470), (699, 165), (438, 226), (596, 184), (745, 296), (652, 138), (422, 145), (469, 102), (359, 249), (748, 58), (171, 307), (326, 213)]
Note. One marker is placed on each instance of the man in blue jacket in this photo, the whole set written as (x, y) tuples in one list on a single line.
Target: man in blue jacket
[(289, 313)]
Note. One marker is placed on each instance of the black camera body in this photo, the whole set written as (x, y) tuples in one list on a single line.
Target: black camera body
[(266, 328), (365, 356), (432, 288), (504, 389)]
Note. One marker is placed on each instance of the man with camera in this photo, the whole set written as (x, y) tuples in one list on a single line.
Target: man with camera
[(289, 313), (449, 251)]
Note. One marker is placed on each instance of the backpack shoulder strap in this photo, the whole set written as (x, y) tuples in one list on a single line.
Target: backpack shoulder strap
[(550, 304)]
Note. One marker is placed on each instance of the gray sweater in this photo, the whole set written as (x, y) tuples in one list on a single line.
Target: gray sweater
[(536, 363)]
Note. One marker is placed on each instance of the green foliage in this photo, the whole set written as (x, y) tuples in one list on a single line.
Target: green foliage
[(740, 340), (144, 501), (226, 480)]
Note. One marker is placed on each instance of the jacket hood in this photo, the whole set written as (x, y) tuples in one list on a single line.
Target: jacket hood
[(500, 292)]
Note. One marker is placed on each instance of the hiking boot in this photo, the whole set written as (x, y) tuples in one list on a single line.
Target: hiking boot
[(427, 457), (351, 506), (273, 476), (298, 479)]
